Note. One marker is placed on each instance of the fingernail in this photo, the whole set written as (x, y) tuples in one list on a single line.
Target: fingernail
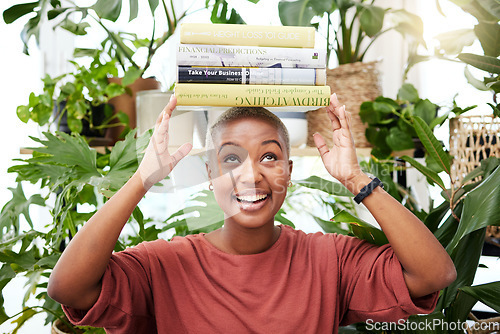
[(172, 97)]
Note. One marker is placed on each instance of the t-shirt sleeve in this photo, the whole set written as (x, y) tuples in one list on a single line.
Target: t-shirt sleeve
[(372, 285), (125, 300)]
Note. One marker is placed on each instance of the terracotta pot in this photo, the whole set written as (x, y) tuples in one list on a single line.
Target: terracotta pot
[(127, 104)]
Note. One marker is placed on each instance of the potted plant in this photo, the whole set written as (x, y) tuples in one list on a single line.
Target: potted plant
[(77, 101), (118, 46), (351, 28), (389, 127)]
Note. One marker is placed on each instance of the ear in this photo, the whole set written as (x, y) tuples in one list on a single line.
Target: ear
[(209, 171), (290, 167)]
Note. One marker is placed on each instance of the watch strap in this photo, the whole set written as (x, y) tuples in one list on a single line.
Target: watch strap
[(368, 189)]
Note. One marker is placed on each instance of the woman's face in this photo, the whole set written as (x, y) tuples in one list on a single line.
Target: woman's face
[(250, 171)]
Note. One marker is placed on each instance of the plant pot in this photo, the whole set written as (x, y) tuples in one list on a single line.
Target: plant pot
[(472, 139), (150, 103), (296, 124), (127, 103), (354, 84), (98, 116), (59, 327)]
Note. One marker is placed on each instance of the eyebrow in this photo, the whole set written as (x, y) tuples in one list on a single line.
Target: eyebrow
[(265, 142)]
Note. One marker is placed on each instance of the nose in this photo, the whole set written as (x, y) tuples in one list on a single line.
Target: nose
[(249, 172)]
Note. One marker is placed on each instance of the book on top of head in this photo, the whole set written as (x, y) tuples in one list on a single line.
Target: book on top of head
[(249, 35), (230, 95)]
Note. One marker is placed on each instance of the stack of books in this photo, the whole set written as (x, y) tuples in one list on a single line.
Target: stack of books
[(250, 65)]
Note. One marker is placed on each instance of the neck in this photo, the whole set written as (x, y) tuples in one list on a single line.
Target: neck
[(235, 239)]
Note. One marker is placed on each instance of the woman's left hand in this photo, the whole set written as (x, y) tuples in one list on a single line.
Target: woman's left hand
[(340, 160)]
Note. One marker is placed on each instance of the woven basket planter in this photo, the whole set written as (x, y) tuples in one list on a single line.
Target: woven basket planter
[(472, 139), (354, 84)]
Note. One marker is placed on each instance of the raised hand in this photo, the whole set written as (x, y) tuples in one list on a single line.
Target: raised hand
[(158, 162), (340, 160)]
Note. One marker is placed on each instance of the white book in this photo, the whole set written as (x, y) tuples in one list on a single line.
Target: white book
[(249, 56)]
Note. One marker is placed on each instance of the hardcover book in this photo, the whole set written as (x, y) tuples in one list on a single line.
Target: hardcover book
[(249, 56), (242, 34), (252, 75), (251, 95)]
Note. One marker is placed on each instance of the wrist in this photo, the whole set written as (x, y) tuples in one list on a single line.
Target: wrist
[(139, 183), (355, 183)]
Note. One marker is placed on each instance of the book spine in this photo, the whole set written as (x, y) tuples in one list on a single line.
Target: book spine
[(229, 95), (249, 56), (252, 76), (240, 34)]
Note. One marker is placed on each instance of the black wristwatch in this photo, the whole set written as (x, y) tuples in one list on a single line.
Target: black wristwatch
[(368, 189)]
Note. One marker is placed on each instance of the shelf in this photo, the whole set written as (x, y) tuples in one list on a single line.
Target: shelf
[(296, 151)]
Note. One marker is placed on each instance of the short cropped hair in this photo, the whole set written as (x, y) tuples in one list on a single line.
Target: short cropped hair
[(237, 113)]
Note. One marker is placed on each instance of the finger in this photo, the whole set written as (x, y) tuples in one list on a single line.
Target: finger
[(169, 108), (320, 143), (181, 153), (343, 118), (334, 119)]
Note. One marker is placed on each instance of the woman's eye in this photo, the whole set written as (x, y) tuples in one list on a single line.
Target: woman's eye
[(269, 157), (231, 159)]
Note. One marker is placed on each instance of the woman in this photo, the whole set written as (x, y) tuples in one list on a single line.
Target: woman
[(250, 276)]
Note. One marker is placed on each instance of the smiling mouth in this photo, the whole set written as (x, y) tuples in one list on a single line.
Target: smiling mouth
[(251, 198)]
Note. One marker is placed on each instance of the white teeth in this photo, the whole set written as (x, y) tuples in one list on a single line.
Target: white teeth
[(251, 198)]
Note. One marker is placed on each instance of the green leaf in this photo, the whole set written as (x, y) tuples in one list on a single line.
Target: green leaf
[(434, 218), (282, 219), (108, 9), (453, 42), (27, 314), (361, 229), (330, 226), (209, 214), (372, 20), (491, 6), (485, 293), (75, 124), (399, 140), (66, 150), (485, 63), (407, 23), (17, 206), (460, 308), (219, 14), (295, 13), (488, 34), (13, 13), (131, 75), (134, 9), (153, 4), (431, 176), (123, 162), (78, 29), (480, 208), (332, 188), (23, 113), (426, 110), (409, 93), (431, 144), (466, 259)]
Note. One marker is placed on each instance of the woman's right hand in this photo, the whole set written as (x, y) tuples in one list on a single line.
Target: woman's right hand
[(158, 162)]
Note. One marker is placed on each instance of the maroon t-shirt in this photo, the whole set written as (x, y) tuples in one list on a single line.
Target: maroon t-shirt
[(304, 283)]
